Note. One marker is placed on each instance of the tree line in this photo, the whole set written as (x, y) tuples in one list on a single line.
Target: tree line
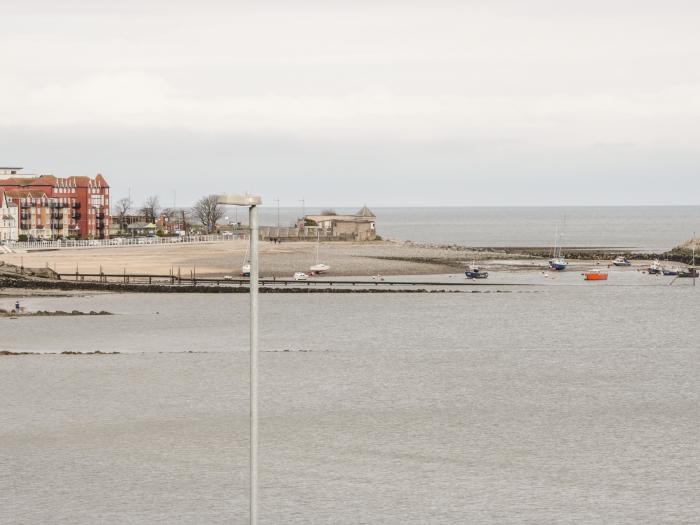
[(206, 212)]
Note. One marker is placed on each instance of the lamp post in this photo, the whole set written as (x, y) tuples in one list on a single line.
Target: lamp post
[(252, 202)]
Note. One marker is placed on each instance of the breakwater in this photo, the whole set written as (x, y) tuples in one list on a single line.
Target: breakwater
[(191, 288)]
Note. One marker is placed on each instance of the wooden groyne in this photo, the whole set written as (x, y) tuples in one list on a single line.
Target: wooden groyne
[(179, 281), (207, 288)]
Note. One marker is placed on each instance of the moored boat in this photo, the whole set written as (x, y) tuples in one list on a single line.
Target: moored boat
[(689, 272), (670, 271), (245, 269), (655, 268), (622, 261), (557, 262), (475, 272), (319, 267), (596, 274)]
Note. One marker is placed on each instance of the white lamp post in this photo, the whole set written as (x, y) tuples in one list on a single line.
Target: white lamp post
[(252, 202)]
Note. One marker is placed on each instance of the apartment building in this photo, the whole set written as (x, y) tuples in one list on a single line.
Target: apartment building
[(51, 207)]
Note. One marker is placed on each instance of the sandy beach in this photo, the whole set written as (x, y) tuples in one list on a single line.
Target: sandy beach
[(226, 258)]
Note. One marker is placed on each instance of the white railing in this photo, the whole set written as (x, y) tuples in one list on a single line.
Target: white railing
[(126, 241)]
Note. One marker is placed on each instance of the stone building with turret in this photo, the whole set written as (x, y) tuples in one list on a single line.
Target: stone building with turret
[(358, 227)]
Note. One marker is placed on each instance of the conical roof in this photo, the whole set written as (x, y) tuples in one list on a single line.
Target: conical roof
[(365, 212)]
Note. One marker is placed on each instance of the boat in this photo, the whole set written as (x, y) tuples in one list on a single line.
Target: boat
[(690, 271), (300, 276), (318, 267), (245, 269), (670, 271), (557, 262), (655, 268), (596, 274), (475, 272), (622, 261)]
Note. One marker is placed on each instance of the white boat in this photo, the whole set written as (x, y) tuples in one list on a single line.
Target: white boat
[(319, 267), (655, 267), (621, 261), (245, 269), (300, 276)]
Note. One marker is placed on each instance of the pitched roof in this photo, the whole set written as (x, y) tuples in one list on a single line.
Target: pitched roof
[(365, 212), (51, 180), (25, 192), (41, 180)]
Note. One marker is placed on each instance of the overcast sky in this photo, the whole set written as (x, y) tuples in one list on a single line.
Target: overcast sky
[(351, 102)]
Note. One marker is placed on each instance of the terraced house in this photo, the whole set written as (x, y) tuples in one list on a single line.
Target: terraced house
[(50, 207)]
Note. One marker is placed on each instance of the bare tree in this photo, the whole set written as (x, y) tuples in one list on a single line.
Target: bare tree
[(150, 208), (328, 211), (121, 209), (171, 214), (208, 212)]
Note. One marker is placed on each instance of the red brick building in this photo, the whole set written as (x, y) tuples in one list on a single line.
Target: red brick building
[(53, 207)]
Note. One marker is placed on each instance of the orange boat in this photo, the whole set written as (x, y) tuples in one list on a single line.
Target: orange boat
[(597, 274)]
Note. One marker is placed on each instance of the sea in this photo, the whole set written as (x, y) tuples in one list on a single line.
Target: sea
[(636, 228), (539, 403)]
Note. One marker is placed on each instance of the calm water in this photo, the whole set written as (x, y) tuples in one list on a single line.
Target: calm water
[(548, 404), (648, 228)]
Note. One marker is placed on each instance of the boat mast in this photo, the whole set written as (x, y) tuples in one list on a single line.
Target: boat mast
[(318, 243), (563, 229)]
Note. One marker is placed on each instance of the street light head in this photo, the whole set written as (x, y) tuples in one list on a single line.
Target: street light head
[(239, 199)]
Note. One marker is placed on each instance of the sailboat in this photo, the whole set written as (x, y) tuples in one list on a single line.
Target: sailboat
[(691, 271), (319, 267), (655, 268), (557, 262), (245, 269), (474, 271)]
